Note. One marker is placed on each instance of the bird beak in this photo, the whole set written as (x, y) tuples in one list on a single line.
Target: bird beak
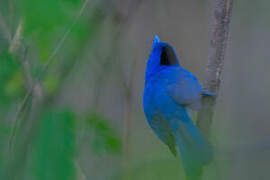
[(156, 40)]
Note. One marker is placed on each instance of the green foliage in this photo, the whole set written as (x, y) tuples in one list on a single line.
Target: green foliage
[(54, 148), (46, 21), (51, 84), (105, 138), (11, 79)]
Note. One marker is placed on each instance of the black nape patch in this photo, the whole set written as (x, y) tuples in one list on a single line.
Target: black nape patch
[(168, 57)]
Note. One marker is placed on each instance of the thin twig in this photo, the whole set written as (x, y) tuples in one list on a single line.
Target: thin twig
[(27, 70), (17, 114), (13, 47), (215, 61), (80, 174), (128, 123), (61, 42), (17, 39)]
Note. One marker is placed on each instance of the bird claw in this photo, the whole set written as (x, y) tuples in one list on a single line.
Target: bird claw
[(207, 93)]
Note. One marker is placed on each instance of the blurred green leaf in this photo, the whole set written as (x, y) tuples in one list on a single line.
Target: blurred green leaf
[(45, 20), (4, 129), (54, 150), (105, 138), (51, 84), (13, 86), (11, 79)]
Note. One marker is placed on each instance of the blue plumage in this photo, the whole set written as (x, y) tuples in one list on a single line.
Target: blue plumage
[(169, 92)]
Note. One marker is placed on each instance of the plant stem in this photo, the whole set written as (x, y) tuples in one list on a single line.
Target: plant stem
[(215, 61)]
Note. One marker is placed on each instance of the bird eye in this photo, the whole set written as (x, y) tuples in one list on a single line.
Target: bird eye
[(168, 57)]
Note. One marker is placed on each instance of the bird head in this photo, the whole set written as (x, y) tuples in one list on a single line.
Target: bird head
[(162, 56)]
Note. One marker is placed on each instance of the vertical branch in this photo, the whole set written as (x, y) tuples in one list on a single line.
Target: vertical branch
[(123, 21), (128, 117), (215, 61)]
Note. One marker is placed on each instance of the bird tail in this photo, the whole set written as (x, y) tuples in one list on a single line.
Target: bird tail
[(195, 150)]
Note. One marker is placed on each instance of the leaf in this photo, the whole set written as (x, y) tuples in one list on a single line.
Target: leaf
[(51, 84), (14, 87), (11, 79), (54, 148), (45, 21), (105, 140)]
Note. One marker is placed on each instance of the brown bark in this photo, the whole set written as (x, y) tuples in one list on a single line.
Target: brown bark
[(216, 57)]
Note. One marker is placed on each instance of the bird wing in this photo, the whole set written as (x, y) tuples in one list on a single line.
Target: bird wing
[(162, 129), (185, 90)]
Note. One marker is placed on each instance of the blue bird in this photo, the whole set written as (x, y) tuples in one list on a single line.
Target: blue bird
[(170, 91)]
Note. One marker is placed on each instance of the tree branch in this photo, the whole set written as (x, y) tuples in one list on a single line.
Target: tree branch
[(17, 38), (215, 61)]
